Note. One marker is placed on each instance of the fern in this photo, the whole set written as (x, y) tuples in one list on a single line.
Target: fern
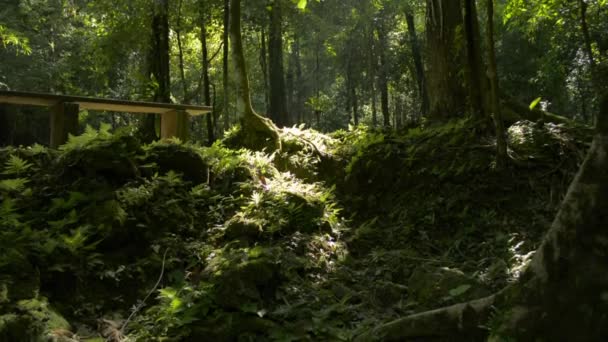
[(13, 185), (16, 166)]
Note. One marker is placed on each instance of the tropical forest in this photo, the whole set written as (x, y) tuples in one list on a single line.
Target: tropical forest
[(303, 170)]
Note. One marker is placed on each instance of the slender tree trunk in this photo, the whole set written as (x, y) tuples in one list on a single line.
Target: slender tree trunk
[(257, 133), (206, 81), (383, 74), (182, 71), (264, 67), (299, 90), (417, 54), (278, 105), (355, 104), (501, 141), (290, 87), (373, 65), (445, 85), (225, 57), (475, 75)]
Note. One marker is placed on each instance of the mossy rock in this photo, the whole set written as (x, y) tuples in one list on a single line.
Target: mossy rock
[(111, 158), (241, 228), (244, 275), (307, 216), (179, 158), (386, 294), (432, 286), (32, 320)]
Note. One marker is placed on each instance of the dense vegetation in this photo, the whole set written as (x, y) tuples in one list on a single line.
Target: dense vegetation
[(370, 170)]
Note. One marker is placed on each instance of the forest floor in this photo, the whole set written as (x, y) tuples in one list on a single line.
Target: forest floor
[(106, 239)]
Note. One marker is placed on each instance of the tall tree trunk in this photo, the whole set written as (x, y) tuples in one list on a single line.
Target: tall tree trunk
[(278, 105), (159, 65), (264, 67), (383, 74), (257, 133), (373, 65), (355, 104), (290, 87), (178, 30), (417, 54), (445, 85), (298, 105), (475, 66), (225, 81), (501, 140), (206, 81)]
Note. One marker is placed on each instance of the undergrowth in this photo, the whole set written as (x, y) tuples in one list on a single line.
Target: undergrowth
[(331, 235)]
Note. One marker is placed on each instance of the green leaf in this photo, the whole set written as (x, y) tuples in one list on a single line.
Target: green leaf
[(535, 103), (460, 290), (302, 4)]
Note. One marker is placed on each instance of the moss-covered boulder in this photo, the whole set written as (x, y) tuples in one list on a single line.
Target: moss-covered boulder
[(183, 159), (244, 275), (33, 320), (431, 286)]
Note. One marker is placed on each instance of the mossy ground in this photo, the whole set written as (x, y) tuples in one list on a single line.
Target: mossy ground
[(330, 236)]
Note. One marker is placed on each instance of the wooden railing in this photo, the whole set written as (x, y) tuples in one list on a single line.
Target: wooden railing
[(64, 112)]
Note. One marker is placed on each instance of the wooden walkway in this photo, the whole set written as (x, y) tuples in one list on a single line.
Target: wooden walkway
[(65, 109)]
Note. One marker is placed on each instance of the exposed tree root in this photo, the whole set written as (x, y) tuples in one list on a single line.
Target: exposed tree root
[(464, 319)]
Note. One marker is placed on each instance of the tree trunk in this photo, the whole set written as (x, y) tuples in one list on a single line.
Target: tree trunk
[(561, 296), (417, 54), (278, 105), (158, 66), (445, 85), (264, 67), (373, 65), (299, 91), (355, 104), (257, 133), (475, 76), (225, 81), (383, 75), (206, 81), (182, 72), (501, 140)]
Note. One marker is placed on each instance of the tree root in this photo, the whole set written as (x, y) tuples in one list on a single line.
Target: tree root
[(463, 320)]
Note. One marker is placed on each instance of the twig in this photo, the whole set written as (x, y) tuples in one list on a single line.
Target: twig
[(143, 302)]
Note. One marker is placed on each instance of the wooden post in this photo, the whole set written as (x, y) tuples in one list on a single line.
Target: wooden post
[(64, 121), (174, 124)]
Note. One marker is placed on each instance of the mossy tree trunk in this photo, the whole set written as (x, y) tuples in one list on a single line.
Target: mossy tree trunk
[(562, 295), (257, 132)]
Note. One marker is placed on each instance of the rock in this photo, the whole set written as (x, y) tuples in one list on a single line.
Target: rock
[(34, 320), (243, 275), (242, 228), (386, 293), (180, 159), (432, 286)]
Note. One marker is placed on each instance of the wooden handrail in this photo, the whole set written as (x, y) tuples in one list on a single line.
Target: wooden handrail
[(65, 108), (101, 104)]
